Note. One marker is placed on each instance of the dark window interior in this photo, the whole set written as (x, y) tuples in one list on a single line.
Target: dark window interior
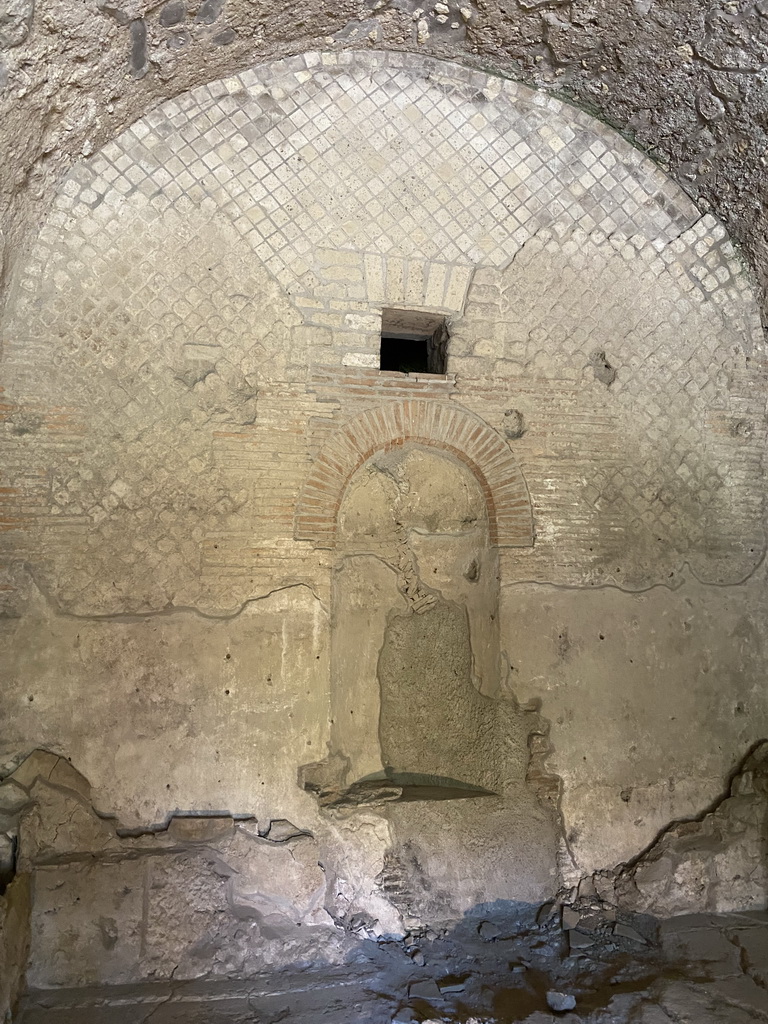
[(406, 354), (413, 341)]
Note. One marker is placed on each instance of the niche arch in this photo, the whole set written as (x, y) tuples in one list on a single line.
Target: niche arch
[(450, 428), (414, 498)]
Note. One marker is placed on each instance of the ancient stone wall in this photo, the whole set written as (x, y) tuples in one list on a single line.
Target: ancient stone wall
[(686, 81), (195, 421)]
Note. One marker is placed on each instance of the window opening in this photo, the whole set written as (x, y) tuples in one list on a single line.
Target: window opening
[(413, 341)]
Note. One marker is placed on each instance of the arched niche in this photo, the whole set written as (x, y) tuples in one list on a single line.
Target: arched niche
[(414, 644), (448, 428)]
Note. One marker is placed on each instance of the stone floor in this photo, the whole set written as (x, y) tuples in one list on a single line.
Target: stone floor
[(702, 969)]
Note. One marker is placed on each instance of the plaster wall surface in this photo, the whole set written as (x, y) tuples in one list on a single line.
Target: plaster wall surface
[(191, 381)]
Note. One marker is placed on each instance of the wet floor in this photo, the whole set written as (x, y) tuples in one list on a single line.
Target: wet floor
[(702, 969)]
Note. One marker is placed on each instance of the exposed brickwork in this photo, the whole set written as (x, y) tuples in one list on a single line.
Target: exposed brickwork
[(662, 466), (191, 354), (447, 427), (201, 313)]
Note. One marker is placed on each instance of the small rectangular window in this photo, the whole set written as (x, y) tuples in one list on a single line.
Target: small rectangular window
[(413, 341)]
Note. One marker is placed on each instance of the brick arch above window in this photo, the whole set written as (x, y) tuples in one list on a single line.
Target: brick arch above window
[(438, 425)]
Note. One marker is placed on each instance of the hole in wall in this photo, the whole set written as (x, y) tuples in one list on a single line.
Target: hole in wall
[(413, 341), (406, 354)]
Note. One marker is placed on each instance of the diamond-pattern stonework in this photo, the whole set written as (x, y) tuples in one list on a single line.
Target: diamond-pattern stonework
[(319, 160), (200, 316), (651, 455)]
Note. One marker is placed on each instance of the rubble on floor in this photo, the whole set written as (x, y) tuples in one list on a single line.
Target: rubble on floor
[(212, 938), (510, 964)]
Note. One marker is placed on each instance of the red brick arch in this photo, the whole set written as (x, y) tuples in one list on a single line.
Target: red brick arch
[(437, 425)]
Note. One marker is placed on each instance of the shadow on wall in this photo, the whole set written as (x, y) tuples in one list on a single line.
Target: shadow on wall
[(216, 897), (415, 660), (423, 732), (717, 861), (504, 960)]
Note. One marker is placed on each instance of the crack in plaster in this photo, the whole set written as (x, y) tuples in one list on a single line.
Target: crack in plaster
[(713, 806), (169, 609), (175, 987), (680, 582)]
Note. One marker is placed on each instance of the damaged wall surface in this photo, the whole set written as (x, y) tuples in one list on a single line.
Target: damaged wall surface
[(242, 566), (682, 79)]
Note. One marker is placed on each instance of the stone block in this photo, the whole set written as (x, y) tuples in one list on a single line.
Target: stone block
[(87, 925)]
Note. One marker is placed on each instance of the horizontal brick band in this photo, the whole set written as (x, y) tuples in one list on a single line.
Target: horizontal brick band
[(433, 424)]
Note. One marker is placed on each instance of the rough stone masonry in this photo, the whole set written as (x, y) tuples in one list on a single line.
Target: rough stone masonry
[(349, 656)]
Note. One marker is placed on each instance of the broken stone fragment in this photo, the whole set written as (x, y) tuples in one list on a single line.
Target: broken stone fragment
[(604, 884), (626, 932), (173, 13), (488, 931), (545, 912), (416, 955), (12, 798), (578, 940), (450, 985), (561, 1002), (571, 918), (280, 830), (586, 888), (424, 990), (405, 1016)]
